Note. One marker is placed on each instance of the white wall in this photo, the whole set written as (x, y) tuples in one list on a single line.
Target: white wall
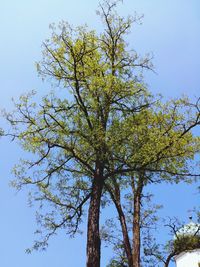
[(188, 259)]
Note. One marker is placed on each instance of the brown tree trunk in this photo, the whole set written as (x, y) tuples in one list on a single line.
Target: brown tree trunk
[(136, 232), (93, 236), (115, 196), (170, 256), (126, 240), (136, 224)]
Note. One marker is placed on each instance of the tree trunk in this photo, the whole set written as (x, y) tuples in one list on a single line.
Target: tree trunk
[(93, 236), (126, 240), (170, 256), (136, 230), (115, 196)]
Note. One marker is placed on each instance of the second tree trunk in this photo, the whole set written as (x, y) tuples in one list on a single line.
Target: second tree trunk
[(93, 236)]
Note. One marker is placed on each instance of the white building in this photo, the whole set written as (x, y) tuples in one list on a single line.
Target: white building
[(189, 258)]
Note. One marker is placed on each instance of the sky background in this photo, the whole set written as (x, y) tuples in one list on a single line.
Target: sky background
[(170, 30)]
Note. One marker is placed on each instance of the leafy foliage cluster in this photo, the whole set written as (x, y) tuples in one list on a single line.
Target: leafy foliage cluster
[(186, 243)]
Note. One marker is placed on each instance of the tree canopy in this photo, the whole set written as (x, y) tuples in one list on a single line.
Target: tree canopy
[(102, 133)]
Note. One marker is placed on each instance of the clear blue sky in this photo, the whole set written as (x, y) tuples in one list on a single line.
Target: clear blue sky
[(171, 30)]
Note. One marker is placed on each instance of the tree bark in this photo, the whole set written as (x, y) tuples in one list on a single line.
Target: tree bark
[(169, 258), (126, 241), (115, 196), (93, 236), (136, 225)]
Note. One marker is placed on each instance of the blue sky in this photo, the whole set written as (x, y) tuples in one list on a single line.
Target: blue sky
[(170, 31)]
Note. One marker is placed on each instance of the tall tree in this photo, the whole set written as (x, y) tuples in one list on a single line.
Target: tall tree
[(72, 135)]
